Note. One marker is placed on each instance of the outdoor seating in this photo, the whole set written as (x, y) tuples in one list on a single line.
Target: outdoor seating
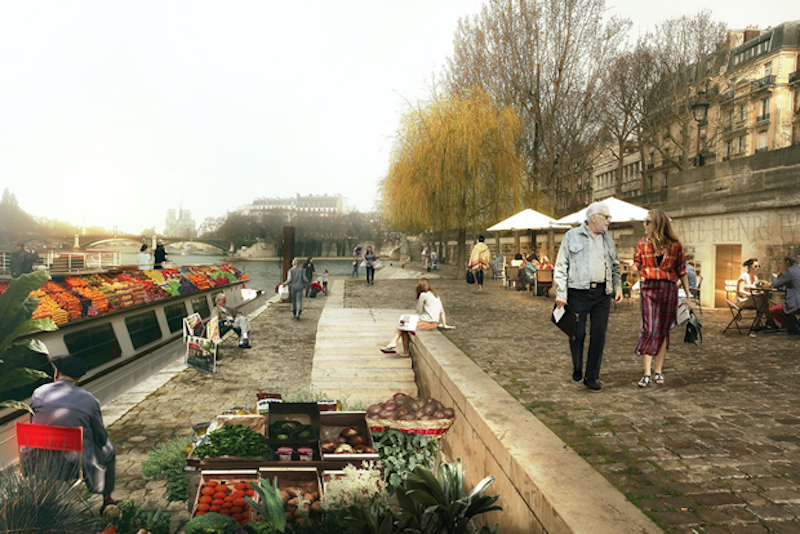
[(544, 281), (498, 265), (695, 294), (738, 316), (58, 439), (512, 277)]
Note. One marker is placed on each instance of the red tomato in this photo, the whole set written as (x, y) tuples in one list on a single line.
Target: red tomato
[(250, 492), (240, 502), (223, 488), (199, 513), (205, 499), (203, 507), (215, 508), (240, 486), (211, 483), (239, 493), (219, 495), (237, 510), (229, 498), (218, 502), (228, 505), (224, 511), (207, 491), (237, 517)]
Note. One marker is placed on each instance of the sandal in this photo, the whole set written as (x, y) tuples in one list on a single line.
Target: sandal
[(659, 379), (644, 381), (388, 349)]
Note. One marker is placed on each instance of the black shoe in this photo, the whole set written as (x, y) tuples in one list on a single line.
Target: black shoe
[(592, 384), (577, 376), (245, 345)]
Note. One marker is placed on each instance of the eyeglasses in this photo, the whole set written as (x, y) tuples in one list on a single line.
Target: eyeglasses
[(756, 265), (606, 217)]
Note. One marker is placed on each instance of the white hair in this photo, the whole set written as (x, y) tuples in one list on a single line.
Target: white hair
[(294, 262), (593, 208), (219, 297)]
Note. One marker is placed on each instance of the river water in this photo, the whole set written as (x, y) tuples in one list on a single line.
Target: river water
[(264, 275)]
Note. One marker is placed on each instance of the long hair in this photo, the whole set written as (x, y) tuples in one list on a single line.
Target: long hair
[(660, 233), (423, 285)]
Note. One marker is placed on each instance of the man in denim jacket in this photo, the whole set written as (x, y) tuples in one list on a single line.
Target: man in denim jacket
[(588, 266)]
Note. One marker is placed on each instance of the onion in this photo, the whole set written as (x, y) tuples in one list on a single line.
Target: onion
[(391, 406), (374, 409)]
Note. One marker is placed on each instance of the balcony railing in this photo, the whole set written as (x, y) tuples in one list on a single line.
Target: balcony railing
[(762, 118), (762, 149), (794, 77), (761, 83)]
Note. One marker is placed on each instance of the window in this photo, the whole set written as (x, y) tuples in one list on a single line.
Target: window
[(767, 67), (742, 147), (666, 180), (729, 149), (762, 140), (96, 345), (175, 314), (742, 113), (200, 305), (143, 329), (765, 107)]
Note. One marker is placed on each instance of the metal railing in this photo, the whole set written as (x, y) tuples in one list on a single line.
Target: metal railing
[(762, 118), (64, 262), (761, 83), (794, 77)]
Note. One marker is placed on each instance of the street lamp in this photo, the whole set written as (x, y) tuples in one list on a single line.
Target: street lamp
[(700, 110)]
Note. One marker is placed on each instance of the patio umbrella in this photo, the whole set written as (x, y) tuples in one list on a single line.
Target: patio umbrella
[(527, 219), (620, 210)]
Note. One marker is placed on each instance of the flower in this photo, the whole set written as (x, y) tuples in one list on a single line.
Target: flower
[(356, 486), (316, 286)]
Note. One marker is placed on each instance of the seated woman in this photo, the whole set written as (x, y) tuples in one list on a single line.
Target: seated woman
[(747, 295), (517, 261), (527, 272), (431, 316), (545, 265)]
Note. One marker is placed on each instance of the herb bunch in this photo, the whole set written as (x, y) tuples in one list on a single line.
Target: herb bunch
[(402, 452), (234, 440), (169, 460)]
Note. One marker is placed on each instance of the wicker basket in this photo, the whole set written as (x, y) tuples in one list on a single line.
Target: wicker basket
[(435, 428)]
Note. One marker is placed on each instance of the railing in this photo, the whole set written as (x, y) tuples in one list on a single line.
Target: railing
[(68, 262), (762, 118), (762, 149), (761, 83), (794, 77)]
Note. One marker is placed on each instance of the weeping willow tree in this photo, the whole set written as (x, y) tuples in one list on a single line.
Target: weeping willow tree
[(456, 167)]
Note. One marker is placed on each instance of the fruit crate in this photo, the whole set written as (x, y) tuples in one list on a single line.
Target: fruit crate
[(333, 424), (289, 480), (229, 499)]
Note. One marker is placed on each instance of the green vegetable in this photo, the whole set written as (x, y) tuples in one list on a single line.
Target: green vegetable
[(234, 440), (132, 519), (260, 527), (286, 430), (169, 460), (402, 453), (270, 504), (211, 523)]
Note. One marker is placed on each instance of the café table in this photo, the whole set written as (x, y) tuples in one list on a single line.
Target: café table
[(762, 296)]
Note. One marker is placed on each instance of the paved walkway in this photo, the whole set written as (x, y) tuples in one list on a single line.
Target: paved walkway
[(715, 450)]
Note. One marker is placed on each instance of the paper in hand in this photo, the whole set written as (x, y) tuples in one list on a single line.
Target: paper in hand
[(565, 319)]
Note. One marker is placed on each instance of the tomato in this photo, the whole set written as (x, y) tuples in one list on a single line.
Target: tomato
[(211, 483), (203, 507), (240, 502), (205, 499), (239, 493), (228, 505), (223, 488), (238, 517), (207, 491), (215, 508), (244, 521), (224, 511), (219, 495), (230, 498), (237, 510), (250, 492), (199, 513), (218, 502), (240, 486)]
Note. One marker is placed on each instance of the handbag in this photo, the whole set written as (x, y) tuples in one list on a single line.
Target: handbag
[(683, 313), (470, 277), (693, 334)]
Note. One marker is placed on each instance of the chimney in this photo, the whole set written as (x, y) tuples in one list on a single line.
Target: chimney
[(751, 33)]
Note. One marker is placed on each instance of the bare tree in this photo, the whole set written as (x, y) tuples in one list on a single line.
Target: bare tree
[(546, 59)]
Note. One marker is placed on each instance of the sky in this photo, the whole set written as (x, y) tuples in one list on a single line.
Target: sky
[(113, 112)]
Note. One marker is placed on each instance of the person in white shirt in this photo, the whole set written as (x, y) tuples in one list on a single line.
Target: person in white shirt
[(431, 316), (143, 259)]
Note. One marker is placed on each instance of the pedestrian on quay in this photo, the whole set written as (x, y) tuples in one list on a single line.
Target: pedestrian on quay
[(586, 275), (296, 281), (369, 259), (660, 258), (479, 261), (354, 274), (64, 403), (143, 258), (309, 268), (21, 261), (160, 255), (786, 313), (425, 257)]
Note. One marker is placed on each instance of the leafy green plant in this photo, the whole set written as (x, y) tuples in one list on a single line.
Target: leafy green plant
[(42, 500), (333, 522), (16, 309), (310, 394), (402, 453), (234, 440), (132, 519), (429, 504), (211, 523), (169, 461), (270, 504), (356, 486)]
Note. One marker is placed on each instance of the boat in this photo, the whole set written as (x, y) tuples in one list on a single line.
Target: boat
[(133, 338)]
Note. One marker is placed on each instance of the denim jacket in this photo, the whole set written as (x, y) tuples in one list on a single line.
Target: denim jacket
[(572, 264)]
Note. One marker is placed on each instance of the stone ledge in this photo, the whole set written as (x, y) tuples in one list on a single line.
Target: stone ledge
[(544, 486)]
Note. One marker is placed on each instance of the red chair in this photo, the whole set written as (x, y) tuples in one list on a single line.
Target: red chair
[(53, 438)]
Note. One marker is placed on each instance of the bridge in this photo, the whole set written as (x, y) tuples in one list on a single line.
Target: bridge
[(128, 241)]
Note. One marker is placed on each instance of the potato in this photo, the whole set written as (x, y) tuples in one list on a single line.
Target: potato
[(293, 502), (308, 497), (316, 507), (315, 495), (284, 497)]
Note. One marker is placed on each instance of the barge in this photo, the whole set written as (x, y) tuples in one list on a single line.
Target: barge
[(133, 339)]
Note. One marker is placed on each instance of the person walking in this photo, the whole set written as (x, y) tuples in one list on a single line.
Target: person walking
[(586, 275), (309, 269), (296, 281), (369, 259), (660, 258), (479, 261)]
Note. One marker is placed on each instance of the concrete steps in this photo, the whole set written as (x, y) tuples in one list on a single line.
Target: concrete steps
[(348, 362)]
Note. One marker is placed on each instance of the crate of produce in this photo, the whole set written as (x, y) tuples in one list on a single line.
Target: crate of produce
[(411, 415), (223, 492), (300, 490), (232, 446), (346, 436)]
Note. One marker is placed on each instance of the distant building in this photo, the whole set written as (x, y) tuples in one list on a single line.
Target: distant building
[(318, 204), (180, 225)]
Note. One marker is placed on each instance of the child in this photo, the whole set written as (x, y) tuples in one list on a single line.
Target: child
[(325, 281)]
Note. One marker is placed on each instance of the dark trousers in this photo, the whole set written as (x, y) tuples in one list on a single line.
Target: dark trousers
[(370, 274), (595, 304), (478, 276)]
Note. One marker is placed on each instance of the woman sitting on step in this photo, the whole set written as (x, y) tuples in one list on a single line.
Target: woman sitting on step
[(431, 316)]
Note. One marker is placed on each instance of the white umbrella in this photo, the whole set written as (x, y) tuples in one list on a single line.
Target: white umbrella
[(527, 219), (620, 210)]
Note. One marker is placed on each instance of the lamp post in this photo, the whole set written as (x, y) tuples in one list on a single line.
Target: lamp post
[(700, 110)]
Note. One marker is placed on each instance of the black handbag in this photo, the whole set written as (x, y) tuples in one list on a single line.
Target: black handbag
[(693, 333), (470, 277)]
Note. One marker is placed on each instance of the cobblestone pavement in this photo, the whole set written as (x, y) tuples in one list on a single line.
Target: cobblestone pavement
[(714, 450)]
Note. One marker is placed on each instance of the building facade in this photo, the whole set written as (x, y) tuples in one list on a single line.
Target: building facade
[(180, 224), (324, 205)]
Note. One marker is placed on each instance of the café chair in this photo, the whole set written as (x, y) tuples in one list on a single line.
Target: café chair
[(512, 276), (695, 294), (544, 281), (738, 317)]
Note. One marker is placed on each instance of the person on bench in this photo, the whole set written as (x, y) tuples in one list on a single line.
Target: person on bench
[(231, 319), (64, 403)]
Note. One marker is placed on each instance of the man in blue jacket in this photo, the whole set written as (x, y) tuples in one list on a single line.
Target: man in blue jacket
[(586, 275), (786, 313)]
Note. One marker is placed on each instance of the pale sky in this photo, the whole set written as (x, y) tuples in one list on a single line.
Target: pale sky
[(112, 112)]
